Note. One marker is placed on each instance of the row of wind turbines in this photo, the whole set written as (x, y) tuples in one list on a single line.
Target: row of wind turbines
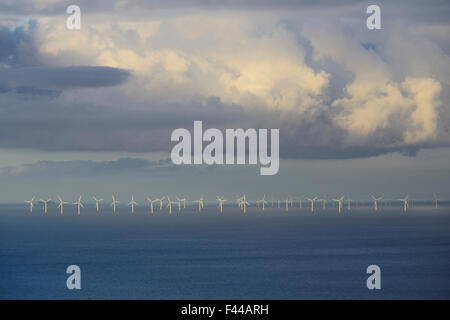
[(242, 203)]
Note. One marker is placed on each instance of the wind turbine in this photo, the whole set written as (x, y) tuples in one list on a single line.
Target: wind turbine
[(79, 204), (150, 201), (160, 200), (132, 203), (200, 204), (179, 203), (97, 202), (221, 201), (435, 200), (375, 202), (323, 203), (339, 201), (61, 204), (244, 204), (114, 203), (169, 204), (312, 202), (31, 203), (239, 202), (262, 201), (45, 202), (405, 203)]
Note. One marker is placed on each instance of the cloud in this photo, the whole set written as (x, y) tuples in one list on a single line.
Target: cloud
[(335, 89)]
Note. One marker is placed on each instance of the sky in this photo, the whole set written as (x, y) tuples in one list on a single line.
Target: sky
[(91, 111)]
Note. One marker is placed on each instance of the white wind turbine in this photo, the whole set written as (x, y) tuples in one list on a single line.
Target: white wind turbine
[(375, 202), (31, 202), (221, 201), (339, 201), (184, 202), (150, 202), (244, 204), (405, 203), (323, 203), (97, 203), (114, 203), (200, 204), (45, 202), (61, 204), (262, 201), (179, 203), (239, 202), (79, 205), (160, 200), (435, 200), (132, 203), (312, 202)]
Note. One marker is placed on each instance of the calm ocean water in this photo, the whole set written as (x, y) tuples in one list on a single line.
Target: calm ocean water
[(270, 255)]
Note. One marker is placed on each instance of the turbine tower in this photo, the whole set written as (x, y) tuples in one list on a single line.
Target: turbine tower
[(375, 202), (405, 203), (61, 204), (339, 201), (79, 205), (31, 203), (97, 203), (221, 201), (114, 203), (132, 203), (45, 202), (312, 203)]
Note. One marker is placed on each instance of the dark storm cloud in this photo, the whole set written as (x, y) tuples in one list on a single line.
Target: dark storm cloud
[(61, 77)]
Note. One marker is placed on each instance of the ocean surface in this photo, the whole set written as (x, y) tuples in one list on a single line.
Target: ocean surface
[(258, 255)]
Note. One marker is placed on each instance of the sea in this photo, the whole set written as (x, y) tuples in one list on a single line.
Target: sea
[(270, 254)]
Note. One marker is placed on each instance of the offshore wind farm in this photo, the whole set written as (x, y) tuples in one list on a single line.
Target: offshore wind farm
[(244, 203)]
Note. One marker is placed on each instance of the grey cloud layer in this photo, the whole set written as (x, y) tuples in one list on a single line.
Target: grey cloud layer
[(85, 168)]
